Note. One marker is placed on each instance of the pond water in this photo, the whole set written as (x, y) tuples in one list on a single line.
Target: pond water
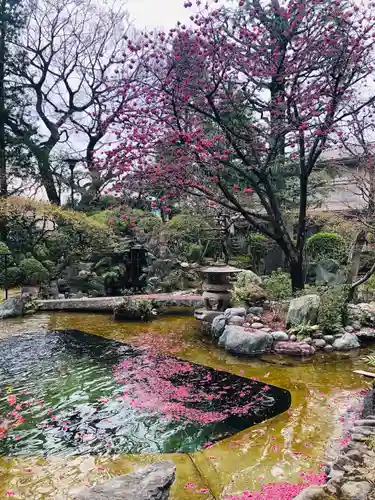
[(324, 393), (72, 393)]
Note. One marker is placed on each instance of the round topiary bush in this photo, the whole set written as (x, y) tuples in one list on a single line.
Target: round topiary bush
[(322, 246), (13, 277), (33, 273)]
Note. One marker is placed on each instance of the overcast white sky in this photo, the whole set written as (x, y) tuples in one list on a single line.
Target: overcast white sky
[(157, 13)]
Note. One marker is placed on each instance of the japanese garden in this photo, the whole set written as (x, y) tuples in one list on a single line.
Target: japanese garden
[(187, 250)]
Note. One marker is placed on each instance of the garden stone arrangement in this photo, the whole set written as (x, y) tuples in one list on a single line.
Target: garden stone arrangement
[(249, 330)]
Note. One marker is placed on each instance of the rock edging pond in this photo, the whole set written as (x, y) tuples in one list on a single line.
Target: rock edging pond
[(243, 332), (149, 483), (352, 475)]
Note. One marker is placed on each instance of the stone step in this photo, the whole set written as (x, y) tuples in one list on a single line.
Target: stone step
[(365, 422)]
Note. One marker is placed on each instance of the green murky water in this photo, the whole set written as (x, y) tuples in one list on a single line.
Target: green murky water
[(325, 393)]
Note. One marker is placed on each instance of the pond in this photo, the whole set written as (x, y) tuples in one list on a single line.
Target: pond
[(69, 387)]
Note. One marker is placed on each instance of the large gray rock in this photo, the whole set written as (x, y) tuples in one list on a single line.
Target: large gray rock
[(346, 342), (206, 315), (12, 307), (218, 325), (149, 483), (303, 310), (327, 272), (239, 341), (362, 314), (353, 490), (235, 311), (313, 493)]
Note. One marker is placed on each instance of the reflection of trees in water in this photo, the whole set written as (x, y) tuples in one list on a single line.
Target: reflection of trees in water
[(153, 404)]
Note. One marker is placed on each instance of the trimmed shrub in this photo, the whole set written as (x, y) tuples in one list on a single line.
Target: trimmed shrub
[(33, 273), (251, 294), (333, 310), (187, 229), (194, 252), (278, 286), (148, 222), (51, 267), (13, 277), (246, 278), (322, 246), (41, 252), (258, 247), (180, 280)]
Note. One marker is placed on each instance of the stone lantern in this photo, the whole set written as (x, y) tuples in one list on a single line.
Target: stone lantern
[(216, 290)]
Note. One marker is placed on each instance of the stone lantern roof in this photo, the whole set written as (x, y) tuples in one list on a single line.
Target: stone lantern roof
[(219, 269)]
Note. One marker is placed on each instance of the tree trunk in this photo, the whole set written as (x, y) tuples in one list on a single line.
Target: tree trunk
[(296, 273), (47, 179), (356, 257), (3, 170)]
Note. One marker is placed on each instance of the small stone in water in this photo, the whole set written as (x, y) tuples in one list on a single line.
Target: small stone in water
[(320, 343)]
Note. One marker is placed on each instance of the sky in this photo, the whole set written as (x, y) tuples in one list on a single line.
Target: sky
[(157, 13)]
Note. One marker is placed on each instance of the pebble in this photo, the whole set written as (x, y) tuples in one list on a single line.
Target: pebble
[(293, 338), (266, 329), (308, 340), (328, 348), (279, 336), (320, 343), (329, 339), (317, 335), (349, 329), (256, 325)]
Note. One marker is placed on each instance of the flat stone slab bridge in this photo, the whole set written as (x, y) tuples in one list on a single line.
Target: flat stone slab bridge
[(107, 304)]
